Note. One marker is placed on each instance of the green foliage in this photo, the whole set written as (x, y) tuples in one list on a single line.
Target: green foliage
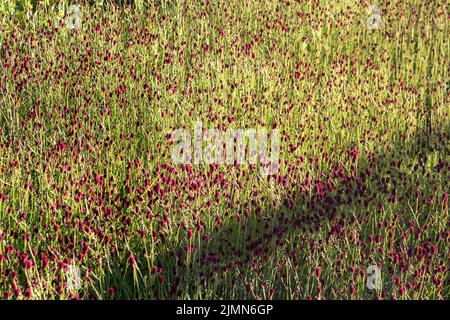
[(86, 175)]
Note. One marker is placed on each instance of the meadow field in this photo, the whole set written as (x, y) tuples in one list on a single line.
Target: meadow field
[(93, 204)]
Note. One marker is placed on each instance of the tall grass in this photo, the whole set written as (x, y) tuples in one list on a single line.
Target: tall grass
[(86, 177)]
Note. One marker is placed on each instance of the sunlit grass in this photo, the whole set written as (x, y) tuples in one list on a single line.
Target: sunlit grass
[(86, 176)]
